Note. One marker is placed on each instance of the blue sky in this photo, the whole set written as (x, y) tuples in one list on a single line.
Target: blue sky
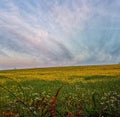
[(44, 33)]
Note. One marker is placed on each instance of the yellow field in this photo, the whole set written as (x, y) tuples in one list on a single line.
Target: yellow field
[(66, 74)]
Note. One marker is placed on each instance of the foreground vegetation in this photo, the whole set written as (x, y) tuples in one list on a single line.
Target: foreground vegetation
[(85, 91)]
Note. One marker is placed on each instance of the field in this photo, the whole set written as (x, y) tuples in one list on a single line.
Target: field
[(86, 91)]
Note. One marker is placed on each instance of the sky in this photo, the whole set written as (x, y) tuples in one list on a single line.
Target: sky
[(47, 33)]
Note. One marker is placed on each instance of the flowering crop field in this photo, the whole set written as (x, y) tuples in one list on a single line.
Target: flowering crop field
[(80, 91)]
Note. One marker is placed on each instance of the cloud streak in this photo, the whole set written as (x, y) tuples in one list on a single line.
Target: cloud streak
[(53, 33)]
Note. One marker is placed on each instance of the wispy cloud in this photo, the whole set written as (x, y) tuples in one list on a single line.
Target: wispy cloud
[(67, 17), (51, 33), (3, 54)]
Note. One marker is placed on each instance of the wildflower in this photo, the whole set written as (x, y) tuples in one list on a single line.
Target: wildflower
[(3, 113), (16, 115), (52, 107)]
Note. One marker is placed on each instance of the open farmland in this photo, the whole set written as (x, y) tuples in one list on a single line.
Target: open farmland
[(90, 91)]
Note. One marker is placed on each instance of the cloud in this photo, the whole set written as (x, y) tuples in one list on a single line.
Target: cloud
[(51, 33), (68, 17), (3, 54), (18, 62)]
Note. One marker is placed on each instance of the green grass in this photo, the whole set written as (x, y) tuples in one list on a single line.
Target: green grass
[(95, 88)]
